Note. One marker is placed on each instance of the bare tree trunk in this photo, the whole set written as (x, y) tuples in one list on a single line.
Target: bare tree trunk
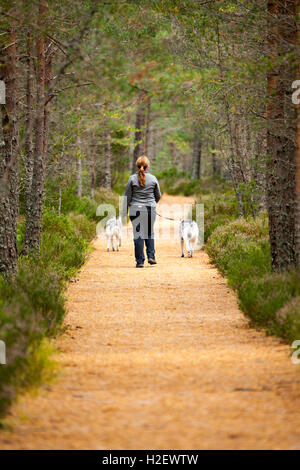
[(280, 170), (239, 146), (259, 171), (107, 150), (33, 221), (172, 150), (233, 168), (59, 200), (140, 123), (197, 151), (79, 167), (297, 189), (29, 148), (79, 176), (93, 166), (154, 144), (215, 164), (9, 159), (297, 150), (49, 51), (147, 130)]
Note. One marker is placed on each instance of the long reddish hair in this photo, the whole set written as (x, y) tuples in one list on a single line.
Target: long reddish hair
[(142, 164)]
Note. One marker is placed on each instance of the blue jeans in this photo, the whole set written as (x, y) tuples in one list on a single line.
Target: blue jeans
[(143, 233)]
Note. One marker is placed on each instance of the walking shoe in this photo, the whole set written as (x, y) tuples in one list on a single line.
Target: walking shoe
[(152, 261), (138, 265)]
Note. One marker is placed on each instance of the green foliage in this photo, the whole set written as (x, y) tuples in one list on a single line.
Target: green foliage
[(172, 173), (175, 182), (219, 208), (172, 180), (193, 187), (82, 226), (248, 193), (104, 196), (82, 205), (20, 233), (32, 303), (241, 251), (65, 237), (184, 186), (262, 297), (120, 181), (287, 323), (31, 307), (40, 366), (62, 246), (72, 203)]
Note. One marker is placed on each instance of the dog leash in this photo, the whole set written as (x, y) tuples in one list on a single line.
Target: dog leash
[(168, 218)]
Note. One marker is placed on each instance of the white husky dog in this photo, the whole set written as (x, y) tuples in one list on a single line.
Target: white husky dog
[(188, 233), (113, 229)]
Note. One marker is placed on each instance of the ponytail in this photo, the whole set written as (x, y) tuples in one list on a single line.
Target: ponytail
[(142, 177), (142, 164)]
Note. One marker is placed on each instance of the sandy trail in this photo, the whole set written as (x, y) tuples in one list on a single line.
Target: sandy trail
[(160, 358)]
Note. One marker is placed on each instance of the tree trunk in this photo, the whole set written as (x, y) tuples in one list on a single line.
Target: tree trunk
[(78, 167), (259, 171), (147, 130), (59, 200), (33, 221), (232, 164), (93, 166), (233, 168), (29, 147), (153, 147), (48, 78), (297, 152), (172, 150), (280, 148), (297, 189), (140, 131), (79, 176), (215, 165), (107, 182), (196, 174), (9, 159)]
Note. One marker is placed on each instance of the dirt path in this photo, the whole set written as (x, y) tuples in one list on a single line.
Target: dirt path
[(160, 358)]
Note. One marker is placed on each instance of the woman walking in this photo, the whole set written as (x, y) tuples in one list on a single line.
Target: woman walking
[(141, 195)]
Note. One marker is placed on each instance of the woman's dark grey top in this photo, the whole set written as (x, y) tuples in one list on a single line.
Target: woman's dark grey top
[(136, 195)]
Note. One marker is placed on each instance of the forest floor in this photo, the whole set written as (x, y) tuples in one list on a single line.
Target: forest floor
[(160, 358)]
